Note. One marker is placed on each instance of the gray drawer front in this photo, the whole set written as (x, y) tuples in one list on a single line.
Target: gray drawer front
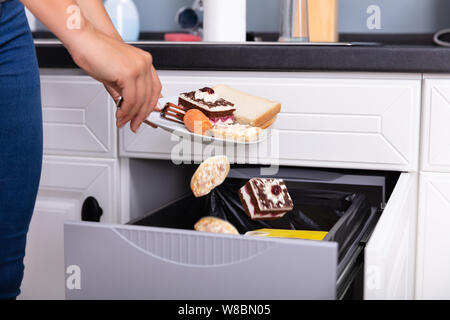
[(129, 262)]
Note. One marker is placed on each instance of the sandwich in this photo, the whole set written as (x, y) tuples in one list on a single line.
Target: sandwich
[(250, 110)]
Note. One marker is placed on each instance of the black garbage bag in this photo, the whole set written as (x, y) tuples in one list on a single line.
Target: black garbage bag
[(313, 210), (342, 214)]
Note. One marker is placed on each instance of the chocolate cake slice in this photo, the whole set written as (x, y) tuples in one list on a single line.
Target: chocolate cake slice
[(205, 100), (265, 199)]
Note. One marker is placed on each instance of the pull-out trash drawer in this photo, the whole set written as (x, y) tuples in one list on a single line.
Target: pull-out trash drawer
[(160, 256)]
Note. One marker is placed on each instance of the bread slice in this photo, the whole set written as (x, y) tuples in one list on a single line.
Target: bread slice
[(268, 123), (252, 110)]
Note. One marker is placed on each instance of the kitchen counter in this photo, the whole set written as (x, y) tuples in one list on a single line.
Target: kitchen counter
[(401, 53)]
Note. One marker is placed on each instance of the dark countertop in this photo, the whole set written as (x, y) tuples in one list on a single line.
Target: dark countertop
[(400, 53)]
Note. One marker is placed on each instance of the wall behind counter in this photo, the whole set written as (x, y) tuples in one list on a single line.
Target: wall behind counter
[(397, 16)]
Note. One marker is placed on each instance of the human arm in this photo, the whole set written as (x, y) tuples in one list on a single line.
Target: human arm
[(94, 11), (126, 69)]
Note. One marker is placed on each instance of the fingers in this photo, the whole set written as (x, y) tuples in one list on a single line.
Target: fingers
[(153, 90), (115, 95), (134, 93), (140, 88), (112, 92), (156, 94), (156, 90), (139, 113), (125, 113)]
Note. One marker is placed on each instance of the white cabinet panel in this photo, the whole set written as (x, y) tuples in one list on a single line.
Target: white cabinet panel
[(433, 272), (389, 263), (327, 122), (79, 117), (436, 129), (78, 178), (44, 259), (65, 184)]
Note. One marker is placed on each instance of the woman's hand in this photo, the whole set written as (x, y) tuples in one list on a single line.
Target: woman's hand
[(123, 69), (98, 49)]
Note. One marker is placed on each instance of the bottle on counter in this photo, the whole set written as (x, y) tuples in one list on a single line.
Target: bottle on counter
[(125, 18), (294, 21), (323, 20)]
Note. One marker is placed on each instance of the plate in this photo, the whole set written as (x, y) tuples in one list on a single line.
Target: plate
[(181, 131)]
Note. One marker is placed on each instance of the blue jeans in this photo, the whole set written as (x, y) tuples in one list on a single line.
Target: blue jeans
[(20, 142)]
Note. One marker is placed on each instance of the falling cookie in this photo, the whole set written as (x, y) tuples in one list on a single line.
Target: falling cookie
[(216, 225), (210, 174)]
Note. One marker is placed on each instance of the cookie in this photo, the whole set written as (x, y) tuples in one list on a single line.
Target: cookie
[(215, 225), (210, 174)]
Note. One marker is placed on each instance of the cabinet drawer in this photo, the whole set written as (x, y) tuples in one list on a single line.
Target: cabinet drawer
[(78, 117), (327, 120), (436, 131), (155, 262)]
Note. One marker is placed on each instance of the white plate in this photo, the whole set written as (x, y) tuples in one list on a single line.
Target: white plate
[(181, 131)]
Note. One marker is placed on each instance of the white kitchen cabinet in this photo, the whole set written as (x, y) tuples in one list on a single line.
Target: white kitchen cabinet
[(433, 241), (343, 120), (327, 120), (79, 117), (435, 153), (65, 184)]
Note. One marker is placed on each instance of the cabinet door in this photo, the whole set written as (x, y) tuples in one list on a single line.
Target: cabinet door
[(436, 130), (327, 120), (65, 184), (79, 117), (433, 261), (390, 253), (44, 276), (78, 178)]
